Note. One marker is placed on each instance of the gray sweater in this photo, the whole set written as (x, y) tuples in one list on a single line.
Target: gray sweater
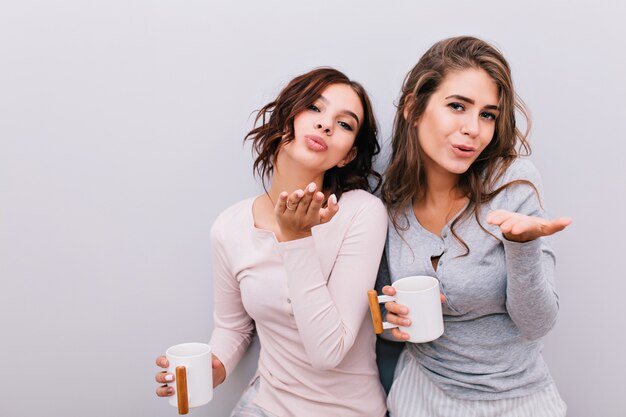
[(500, 298)]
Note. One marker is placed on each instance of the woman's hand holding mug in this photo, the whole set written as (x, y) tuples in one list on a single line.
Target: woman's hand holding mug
[(398, 315), (164, 377)]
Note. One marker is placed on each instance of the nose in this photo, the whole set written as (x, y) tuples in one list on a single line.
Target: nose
[(324, 126), (471, 126)]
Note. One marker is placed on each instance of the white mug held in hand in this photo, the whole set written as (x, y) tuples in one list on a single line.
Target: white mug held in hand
[(421, 295), (192, 365)]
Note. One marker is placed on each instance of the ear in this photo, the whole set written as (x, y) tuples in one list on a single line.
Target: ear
[(408, 104), (348, 158)]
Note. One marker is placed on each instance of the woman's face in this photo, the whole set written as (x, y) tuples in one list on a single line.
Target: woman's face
[(459, 121), (325, 131)]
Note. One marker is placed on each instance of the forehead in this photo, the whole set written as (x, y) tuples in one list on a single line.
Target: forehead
[(472, 83), (343, 97)]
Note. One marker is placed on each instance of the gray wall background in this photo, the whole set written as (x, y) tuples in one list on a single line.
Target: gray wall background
[(121, 126)]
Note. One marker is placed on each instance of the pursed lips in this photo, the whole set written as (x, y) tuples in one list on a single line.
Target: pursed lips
[(463, 150), (315, 143)]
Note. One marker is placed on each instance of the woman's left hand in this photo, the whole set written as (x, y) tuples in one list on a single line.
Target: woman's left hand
[(298, 212), (518, 227)]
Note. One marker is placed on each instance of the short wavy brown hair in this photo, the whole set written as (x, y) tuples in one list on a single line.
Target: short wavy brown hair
[(274, 128)]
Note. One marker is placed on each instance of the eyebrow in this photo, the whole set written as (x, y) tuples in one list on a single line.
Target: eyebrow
[(346, 112), (469, 100)]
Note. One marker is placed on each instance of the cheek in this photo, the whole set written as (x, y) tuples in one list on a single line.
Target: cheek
[(345, 138), (488, 136), (428, 132), (298, 121), (435, 125)]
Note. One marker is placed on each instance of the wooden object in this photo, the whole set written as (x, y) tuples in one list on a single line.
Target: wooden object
[(181, 390), (377, 318)]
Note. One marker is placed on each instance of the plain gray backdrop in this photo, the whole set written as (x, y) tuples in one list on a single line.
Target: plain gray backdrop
[(121, 126)]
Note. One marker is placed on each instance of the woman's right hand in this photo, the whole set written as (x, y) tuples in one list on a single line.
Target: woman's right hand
[(164, 377), (397, 314), (298, 212)]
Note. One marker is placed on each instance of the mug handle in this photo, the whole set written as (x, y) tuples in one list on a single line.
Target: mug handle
[(377, 318), (181, 390)]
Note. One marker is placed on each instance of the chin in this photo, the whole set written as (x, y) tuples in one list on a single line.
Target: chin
[(459, 169)]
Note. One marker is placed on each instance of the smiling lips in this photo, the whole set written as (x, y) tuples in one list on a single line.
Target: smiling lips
[(463, 151), (315, 143)]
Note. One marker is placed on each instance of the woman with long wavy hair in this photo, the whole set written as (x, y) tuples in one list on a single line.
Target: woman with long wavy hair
[(465, 207)]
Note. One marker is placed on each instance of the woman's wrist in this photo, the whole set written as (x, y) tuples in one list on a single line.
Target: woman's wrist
[(293, 235), (515, 238)]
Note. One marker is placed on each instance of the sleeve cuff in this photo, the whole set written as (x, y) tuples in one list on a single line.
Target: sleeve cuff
[(306, 243), (522, 250)]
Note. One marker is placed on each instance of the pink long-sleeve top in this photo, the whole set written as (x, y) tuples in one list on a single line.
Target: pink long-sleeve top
[(308, 300)]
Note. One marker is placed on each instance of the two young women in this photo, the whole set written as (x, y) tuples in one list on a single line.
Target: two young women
[(464, 208)]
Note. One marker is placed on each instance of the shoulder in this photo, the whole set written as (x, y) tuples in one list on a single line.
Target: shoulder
[(357, 201), (521, 169), (236, 216), (523, 188), (362, 217)]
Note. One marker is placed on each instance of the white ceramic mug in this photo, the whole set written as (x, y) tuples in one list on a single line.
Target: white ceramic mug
[(421, 295), (191, 363)]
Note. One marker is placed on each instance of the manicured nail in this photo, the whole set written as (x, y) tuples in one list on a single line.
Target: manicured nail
[(299, 193), (406, 323), (169, 377), (404, 310), (170, 390), (311, 187), (333, 199)]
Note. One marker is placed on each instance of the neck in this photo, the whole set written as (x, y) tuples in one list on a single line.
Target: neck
[(441, 188)]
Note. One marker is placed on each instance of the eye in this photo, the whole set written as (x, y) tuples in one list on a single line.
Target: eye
[(487, 115), (313, 107), (345, 126), (456, 106)]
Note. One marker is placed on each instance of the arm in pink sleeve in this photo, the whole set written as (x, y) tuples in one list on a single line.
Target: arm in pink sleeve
[(329, 311), (233, 326)]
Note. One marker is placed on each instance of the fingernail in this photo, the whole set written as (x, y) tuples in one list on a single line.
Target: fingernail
[(333, 199), (162, 362), (299, 193), (169, 377), (311, 187), (404, 311), (170, 390), (406, 323)]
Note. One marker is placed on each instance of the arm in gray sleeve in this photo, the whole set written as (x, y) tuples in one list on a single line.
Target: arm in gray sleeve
[(532, 301)]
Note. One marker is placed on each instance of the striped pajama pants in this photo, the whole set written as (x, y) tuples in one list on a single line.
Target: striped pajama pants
[(414, 395)]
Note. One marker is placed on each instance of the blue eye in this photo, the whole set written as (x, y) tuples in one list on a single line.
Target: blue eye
[(488, 115), (456, 106), (345, 126)]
